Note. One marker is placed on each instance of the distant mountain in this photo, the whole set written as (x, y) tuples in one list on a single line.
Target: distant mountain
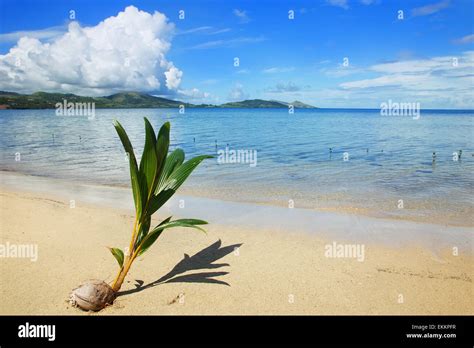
[(139, 100), (44, 100), (254, 103), (300, 105), (260, 103), (8, 93)]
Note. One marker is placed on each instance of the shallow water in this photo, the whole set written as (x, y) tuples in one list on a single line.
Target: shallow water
[(351, 228), (389, 157)]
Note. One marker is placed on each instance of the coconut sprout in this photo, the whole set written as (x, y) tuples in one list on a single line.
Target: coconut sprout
[(154, 181)]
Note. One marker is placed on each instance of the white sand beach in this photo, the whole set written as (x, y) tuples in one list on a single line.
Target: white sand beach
[(253, 260)]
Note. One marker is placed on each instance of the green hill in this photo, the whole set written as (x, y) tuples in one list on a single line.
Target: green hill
[(300, 105), (139, 100), (44, 100), (254, 103), (260, 103)]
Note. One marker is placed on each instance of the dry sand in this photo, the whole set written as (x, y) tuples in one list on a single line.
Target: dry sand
[(270, 273)]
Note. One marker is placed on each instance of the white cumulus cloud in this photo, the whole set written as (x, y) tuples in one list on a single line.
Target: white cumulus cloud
[(123, 52)]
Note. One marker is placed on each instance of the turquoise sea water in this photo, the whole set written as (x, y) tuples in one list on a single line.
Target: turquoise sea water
[(389, 158)]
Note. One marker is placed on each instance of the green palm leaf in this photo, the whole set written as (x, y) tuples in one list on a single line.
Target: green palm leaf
[(156, 232), (177, 178), (134, 174), (152, 238), (148, 160), (118, 254), (144, 228), (173, 161), (162, 146), (183, 223), (174, 181)]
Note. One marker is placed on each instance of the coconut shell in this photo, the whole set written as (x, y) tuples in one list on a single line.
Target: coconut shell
[(92, 295)]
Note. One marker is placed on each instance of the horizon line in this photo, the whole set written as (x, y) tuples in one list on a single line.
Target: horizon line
[(235, 101)]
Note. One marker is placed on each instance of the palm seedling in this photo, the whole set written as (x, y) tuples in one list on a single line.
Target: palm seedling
[(154, 181)]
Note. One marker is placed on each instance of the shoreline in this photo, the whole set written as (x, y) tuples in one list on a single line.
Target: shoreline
[(345, 226), (230, 270), (6, 176)]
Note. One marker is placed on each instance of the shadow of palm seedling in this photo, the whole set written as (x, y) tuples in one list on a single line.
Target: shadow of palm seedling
[(203, 259)]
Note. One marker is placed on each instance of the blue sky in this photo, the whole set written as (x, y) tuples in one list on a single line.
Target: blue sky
[(425, 57)]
